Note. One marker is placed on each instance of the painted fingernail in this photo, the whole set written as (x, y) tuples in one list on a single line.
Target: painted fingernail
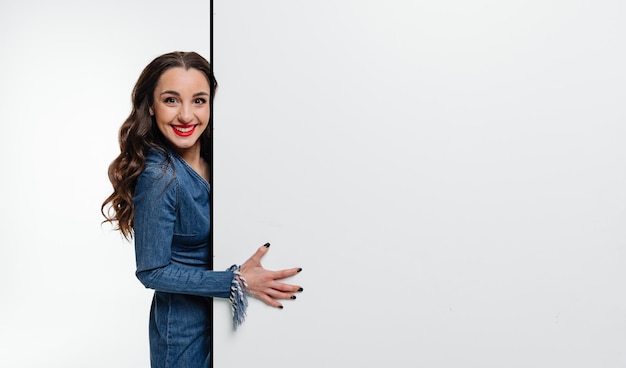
[(293, 297), (267, 245), (299, 269), (280, 307), (300, 289)]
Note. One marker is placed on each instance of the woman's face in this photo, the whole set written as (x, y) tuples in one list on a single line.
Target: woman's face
[(181, 108)]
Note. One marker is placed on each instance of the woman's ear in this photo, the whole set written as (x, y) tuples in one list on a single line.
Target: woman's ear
[(151, 111)]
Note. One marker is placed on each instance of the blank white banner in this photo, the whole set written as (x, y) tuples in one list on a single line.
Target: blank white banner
[(449, 175)]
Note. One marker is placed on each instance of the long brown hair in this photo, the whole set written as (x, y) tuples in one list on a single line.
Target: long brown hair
[(139, 133)]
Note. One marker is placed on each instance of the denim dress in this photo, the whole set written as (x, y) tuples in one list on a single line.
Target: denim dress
[(171, 231)]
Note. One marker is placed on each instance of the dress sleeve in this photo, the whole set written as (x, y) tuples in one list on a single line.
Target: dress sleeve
[(155, 215)]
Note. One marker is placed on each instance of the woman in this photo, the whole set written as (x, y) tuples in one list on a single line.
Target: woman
[(161, 199)]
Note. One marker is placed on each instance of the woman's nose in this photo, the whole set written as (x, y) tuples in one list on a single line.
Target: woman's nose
[(185, 115)]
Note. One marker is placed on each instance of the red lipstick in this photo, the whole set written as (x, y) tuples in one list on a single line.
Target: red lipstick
[(184, 130)]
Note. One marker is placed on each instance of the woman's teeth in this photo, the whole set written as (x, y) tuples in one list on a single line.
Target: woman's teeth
[(183, 130)]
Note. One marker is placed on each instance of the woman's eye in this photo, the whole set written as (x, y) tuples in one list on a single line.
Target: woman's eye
[(200, 101), (170, 100)]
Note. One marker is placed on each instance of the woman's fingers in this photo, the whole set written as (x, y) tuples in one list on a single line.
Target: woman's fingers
[(271, 297), (286, 288), (263, 283), (260, 252), (283, 274), (278, 294), (265, 298)]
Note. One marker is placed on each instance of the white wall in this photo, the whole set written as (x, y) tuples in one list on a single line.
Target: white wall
[(449, 174), (69, 295)]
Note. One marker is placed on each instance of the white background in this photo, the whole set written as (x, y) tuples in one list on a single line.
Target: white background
[(449, 174), (69, 297)]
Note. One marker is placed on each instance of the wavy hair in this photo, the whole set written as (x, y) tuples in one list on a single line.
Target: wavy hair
[(139, 133)]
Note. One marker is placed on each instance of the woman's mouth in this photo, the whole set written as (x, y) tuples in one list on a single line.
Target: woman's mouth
[(184, 130)]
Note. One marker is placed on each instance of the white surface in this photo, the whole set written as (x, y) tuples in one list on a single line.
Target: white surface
[(69, 294), (450, 176)]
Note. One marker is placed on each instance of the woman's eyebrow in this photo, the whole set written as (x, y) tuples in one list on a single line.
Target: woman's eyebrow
[(170, 92)]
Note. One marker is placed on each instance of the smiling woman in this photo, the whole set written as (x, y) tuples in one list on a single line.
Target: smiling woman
[(181, 111), (161, 188)]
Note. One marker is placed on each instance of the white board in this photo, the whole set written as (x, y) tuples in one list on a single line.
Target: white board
[(449, 174)]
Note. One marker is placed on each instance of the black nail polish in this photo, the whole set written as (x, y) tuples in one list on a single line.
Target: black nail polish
[(293, 297), (266, 245), (280, 307), (299, 269), (300, 289)]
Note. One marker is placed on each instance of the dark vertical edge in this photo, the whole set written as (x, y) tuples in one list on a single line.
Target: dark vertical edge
[(212, 182), (211, 178), (211, 32)]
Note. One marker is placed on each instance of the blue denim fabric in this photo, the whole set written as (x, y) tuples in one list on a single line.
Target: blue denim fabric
[(172, 250)]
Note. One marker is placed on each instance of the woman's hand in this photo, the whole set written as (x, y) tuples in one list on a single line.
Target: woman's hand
[(264, 283)]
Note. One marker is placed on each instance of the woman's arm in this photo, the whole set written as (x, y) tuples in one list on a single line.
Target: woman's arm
[(155, 203)]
